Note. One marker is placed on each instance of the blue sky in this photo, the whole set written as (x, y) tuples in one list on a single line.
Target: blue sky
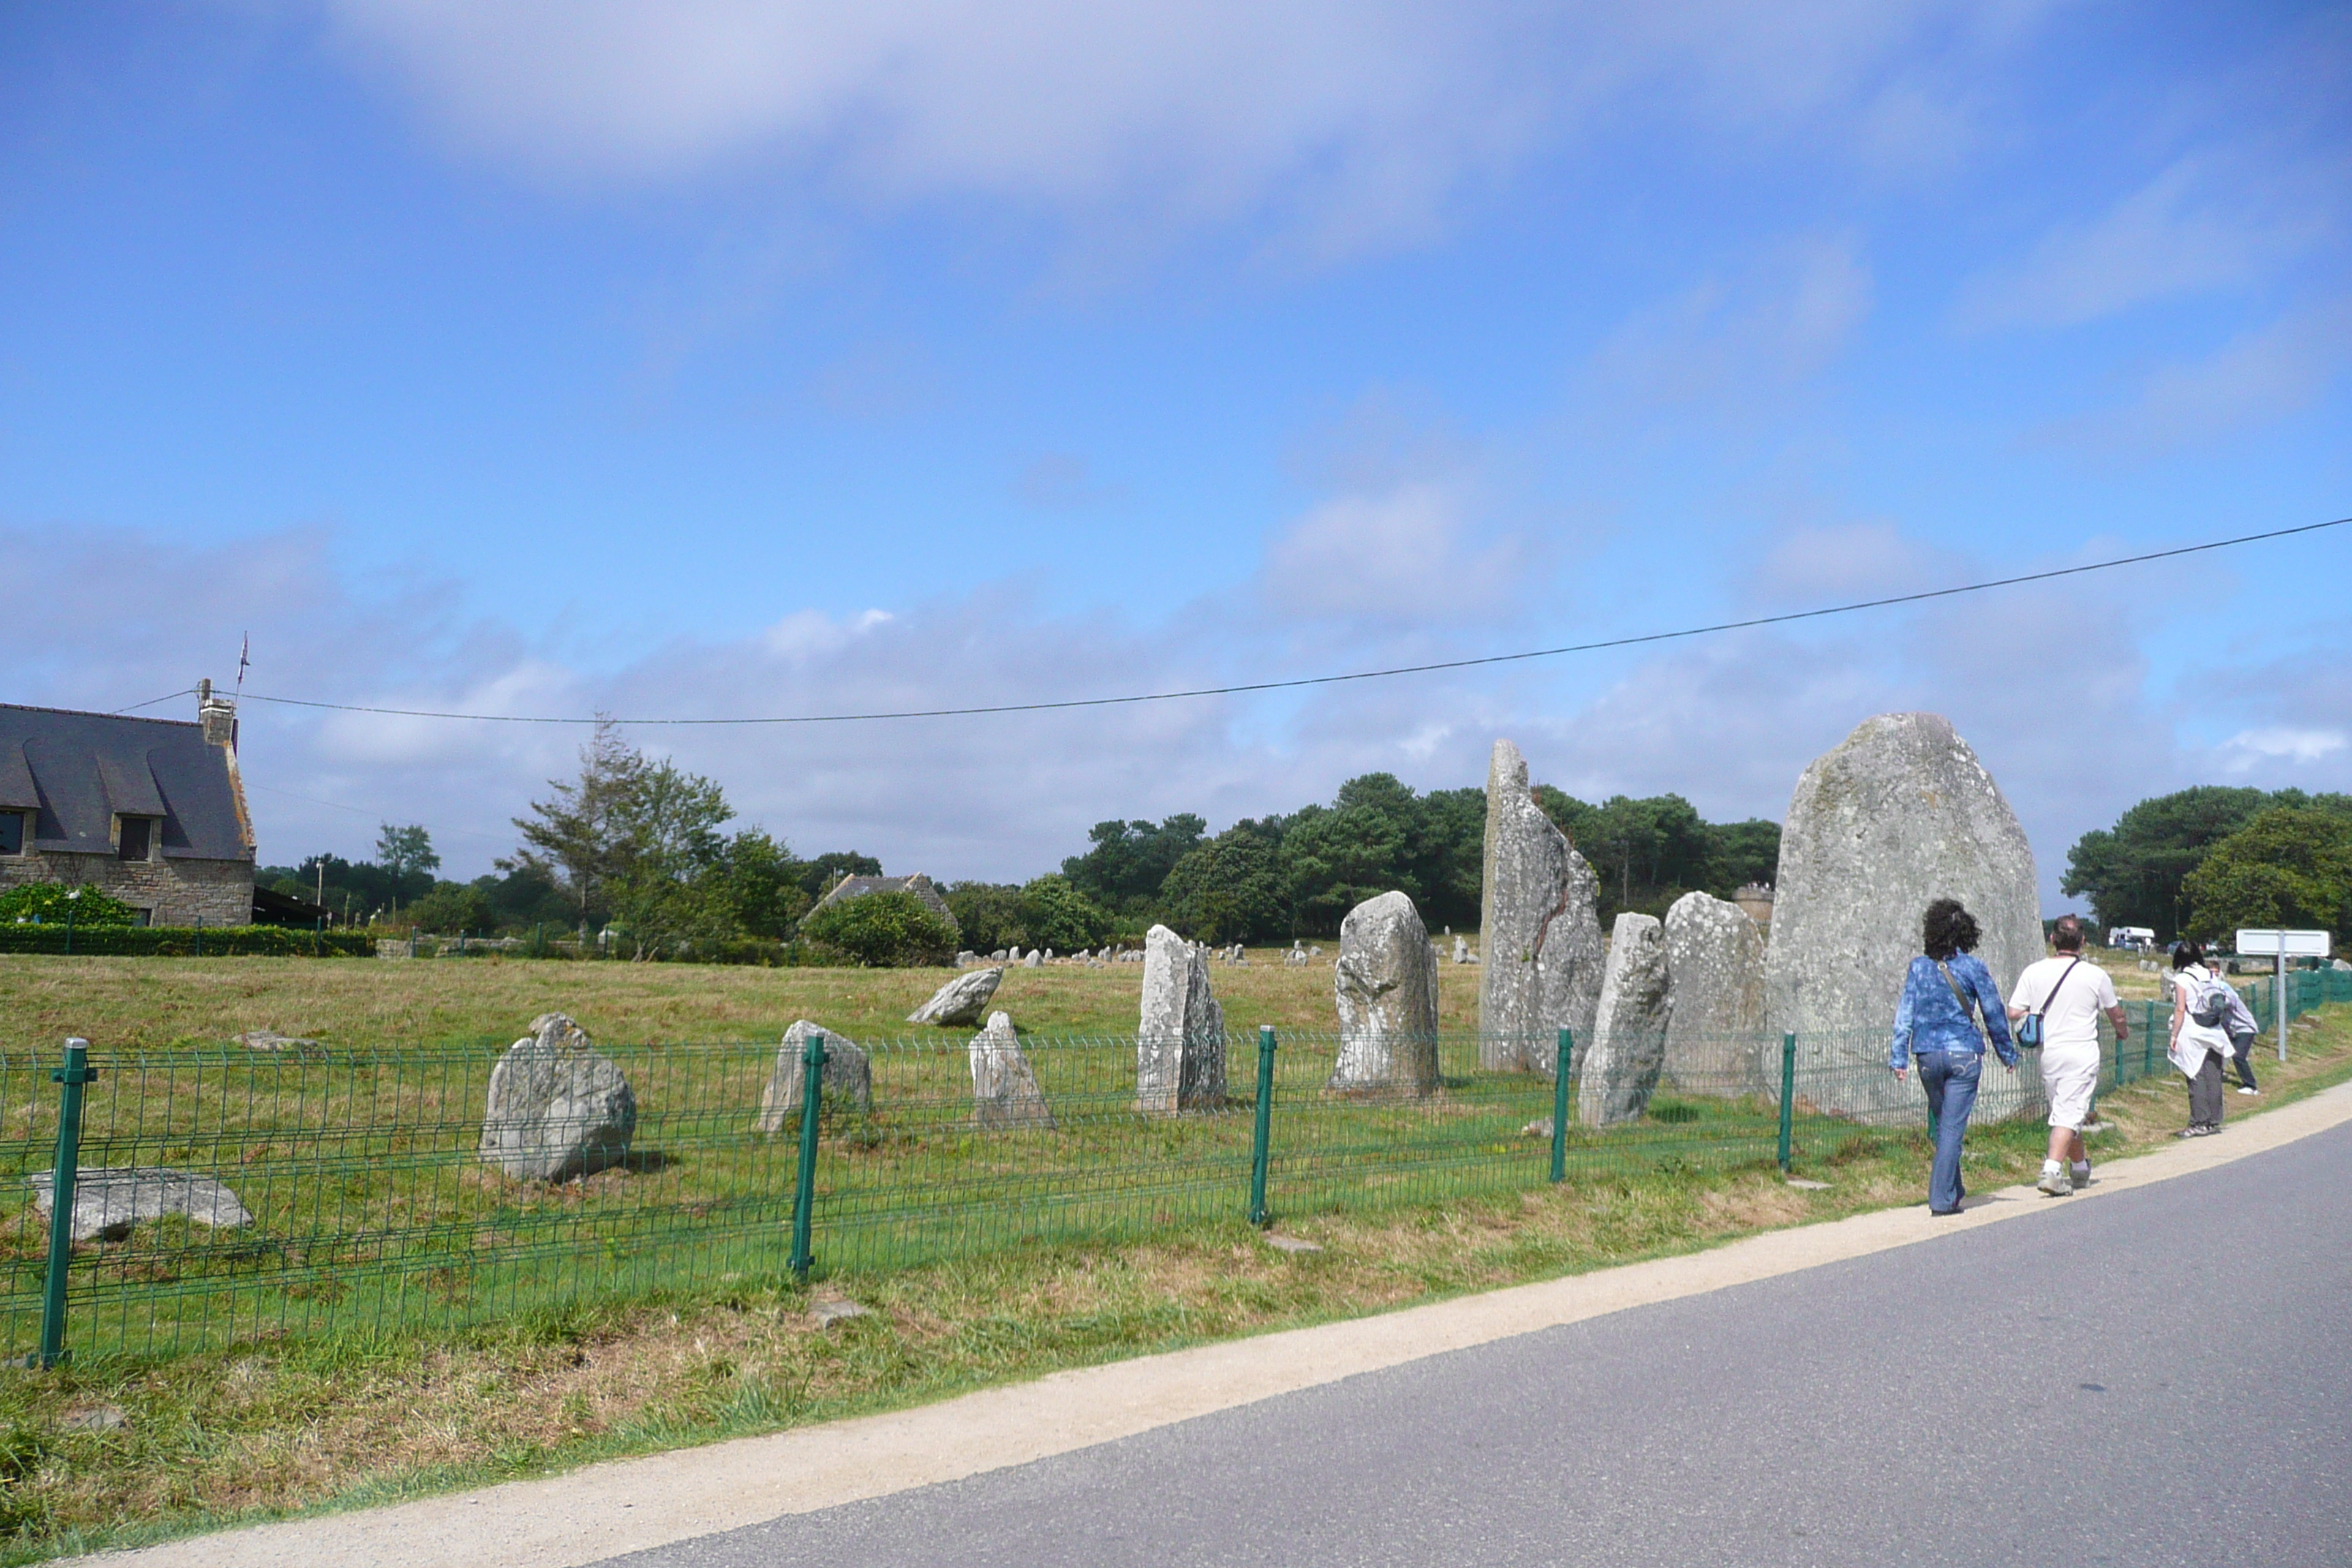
[(713, 359)]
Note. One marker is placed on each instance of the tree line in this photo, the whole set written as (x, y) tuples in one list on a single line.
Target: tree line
[(639, 848), (2205, 862)]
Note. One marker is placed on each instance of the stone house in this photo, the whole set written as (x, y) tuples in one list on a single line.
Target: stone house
[(919, 884), (151, 811)]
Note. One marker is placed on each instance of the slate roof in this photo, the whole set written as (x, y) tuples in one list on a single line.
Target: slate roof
[(919, 884), (78, 771)]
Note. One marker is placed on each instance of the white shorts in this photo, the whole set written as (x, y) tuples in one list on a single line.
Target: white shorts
[(2070, 1080)]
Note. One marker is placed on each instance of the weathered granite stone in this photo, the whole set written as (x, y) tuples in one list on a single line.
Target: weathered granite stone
[(1179, 1037), (271, 1040), (1004, 1091), (1386, 985), (1900, 814), (966, 959), (961, 1000), (1620, 1071), (558, 1108), (996, 957), (108, 1200), (1538, 926), (1034, 960), (1717, 1042), (1461, 950), (848, 1077)]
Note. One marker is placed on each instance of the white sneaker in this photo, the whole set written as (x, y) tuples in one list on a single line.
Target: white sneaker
[(2245, 1091), (2053, 1183)]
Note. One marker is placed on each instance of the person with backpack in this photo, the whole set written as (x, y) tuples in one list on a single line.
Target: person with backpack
[(1943, 994), (2056, 1005), (2243, 1032), (2200, 1005)]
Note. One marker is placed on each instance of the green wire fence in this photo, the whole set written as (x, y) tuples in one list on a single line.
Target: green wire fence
[(207, 1197)]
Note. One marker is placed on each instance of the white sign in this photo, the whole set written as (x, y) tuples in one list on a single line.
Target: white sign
[(2283, 943)]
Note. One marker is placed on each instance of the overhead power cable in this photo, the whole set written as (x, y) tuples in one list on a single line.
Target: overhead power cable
[(150, 702), (1243, 688)]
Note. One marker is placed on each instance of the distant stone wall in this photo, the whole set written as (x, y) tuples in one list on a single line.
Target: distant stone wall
[(179, 891)]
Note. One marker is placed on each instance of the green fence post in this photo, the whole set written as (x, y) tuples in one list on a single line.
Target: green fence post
[(72, 1075), (1563, 1049), (70, 898), (1262, 1133), (318, 936), (804, 1187), (200, 936), (1788, 1095)]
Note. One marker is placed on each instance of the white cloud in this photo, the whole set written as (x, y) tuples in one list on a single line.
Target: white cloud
[(1357, 121), (2206, 222), (2262, 375), (2248, 749), (1409, 553)]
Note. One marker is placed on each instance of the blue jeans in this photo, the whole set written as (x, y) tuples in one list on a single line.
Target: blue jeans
[(1950, 1081)]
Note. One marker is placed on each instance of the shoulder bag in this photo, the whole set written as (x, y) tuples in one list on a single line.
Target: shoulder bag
[(2029, 1028)]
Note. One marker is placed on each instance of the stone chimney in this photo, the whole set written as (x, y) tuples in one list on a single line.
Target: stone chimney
[(217, 715)]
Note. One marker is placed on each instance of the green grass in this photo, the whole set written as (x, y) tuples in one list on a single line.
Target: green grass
[(985, 1258)]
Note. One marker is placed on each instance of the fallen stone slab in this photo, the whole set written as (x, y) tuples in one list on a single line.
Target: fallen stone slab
[(108, 1200), (963, 1000), (1293, 1244)]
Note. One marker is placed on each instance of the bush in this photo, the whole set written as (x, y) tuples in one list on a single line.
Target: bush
[(185, 942), (884, 929), (453, 907), (50, 901), (1057, 915)]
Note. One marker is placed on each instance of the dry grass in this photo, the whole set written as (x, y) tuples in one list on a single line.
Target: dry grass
[(126, 1001)]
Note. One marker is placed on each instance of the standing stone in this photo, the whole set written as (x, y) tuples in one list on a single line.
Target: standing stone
[(1537, 925), (848, 1077), (1717, 1042), (1179, 1039), (1386, 983), (558, 1108), (1004, 1092), (1621, 1067), (961, 1000), (1034, 959), (1461, 950), (1900, 814)]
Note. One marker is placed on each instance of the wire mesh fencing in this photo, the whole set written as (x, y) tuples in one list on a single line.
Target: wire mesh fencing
[(223, 1195)]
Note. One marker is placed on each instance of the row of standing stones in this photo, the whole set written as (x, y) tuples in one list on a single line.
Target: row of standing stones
[(1901, 813)]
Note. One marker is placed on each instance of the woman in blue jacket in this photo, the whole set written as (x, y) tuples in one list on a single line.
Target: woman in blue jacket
[(1943, 996)]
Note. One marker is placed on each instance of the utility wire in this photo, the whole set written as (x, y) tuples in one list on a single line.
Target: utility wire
[(1359, 674), (150, 702)]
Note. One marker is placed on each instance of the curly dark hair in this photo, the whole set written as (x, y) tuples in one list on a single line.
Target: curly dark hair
[(1948, 928)]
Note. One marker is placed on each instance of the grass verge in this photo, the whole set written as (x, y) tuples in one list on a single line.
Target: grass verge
[(265, 1431)]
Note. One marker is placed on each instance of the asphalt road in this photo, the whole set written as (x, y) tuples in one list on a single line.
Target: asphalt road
[(2158, 1377)]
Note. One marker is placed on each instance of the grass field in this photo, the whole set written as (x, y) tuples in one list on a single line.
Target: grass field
[(266, 1423)]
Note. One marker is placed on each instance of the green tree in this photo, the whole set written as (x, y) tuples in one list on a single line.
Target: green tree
[(2291, 866), (1228, 888), (2134, 873), (405, 852), (578, 835), (1128, 860), (818, 875), (988, 914), (453, 909), (1741, 853), (1057, 915), (883, 930), (761, 881), (49, 903)]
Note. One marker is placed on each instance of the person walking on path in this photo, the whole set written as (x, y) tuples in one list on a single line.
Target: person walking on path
[(2069, 995), (1944, 992), (2199, 1046)]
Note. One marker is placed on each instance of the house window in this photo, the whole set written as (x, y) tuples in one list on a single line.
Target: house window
[(12, 832), (136, 836)]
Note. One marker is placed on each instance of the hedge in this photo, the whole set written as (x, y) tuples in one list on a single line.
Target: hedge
[(188, 941)]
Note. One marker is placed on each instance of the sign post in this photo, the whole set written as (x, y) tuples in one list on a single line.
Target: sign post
[(2281, 945)]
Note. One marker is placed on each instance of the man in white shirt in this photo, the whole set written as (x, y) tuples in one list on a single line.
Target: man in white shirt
[(2069, 992)]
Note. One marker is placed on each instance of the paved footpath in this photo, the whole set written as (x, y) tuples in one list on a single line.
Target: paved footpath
[(2153, 1374)]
